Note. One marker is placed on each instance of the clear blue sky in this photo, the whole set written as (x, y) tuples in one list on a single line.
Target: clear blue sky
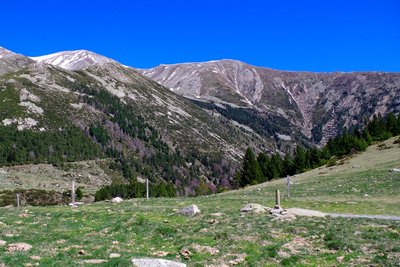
[(319, 35)]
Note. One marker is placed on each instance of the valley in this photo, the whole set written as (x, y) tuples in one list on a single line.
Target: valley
[(220, 235)]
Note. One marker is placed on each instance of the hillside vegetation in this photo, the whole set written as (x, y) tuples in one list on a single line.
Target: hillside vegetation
[(220, 235)]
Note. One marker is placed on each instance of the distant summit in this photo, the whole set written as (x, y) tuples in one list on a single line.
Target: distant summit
[(6, 53), (74, 60)]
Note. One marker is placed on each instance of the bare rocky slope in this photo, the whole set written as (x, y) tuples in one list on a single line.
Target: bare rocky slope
[(317, 105)]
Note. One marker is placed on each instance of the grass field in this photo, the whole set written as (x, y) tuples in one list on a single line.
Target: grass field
[(220, 236)]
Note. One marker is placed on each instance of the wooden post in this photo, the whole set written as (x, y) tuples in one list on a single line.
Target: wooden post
[(288, 185), (73, 191), (277, 198), (18, 200), (147, 188)]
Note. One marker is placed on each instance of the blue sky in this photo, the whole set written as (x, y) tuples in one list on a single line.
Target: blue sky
[(289, 35)]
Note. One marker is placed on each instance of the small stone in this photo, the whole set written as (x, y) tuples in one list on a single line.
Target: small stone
[(254, 208), (239, 259), (81, 252), (204, 230), (114, 255), (185, 253), (35, 258), (18, 247), (205, 249), (3, 243), (156, 263), (115, 242), (340, 259), (212, 221), (94, 261), (160, 253)]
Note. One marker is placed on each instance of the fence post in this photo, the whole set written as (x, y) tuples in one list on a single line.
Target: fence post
[(73, 191), (277, 198), (147, 188), (18, 200)]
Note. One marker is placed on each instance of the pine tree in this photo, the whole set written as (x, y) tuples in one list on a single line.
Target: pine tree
[(263, 162), (251, 172)]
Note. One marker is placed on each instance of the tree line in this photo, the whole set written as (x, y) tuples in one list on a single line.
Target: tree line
[(264, 167), (52, 146)]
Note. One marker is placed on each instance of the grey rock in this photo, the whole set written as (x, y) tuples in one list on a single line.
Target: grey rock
[(255, 208), (191, 210), (117, 200)]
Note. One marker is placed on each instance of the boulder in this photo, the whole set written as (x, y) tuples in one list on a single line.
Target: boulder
[(117, 200), (156, 263), (191, 210), (394, 170), (255, 208), (114, 255)]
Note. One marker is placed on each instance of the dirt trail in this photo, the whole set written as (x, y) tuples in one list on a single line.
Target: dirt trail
[(315, 213)]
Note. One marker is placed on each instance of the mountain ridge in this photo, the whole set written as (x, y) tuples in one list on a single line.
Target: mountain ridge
[(303, 94)]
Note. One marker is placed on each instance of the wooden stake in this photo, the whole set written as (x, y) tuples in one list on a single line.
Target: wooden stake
[(18, 200), (277, 198), (73, 191), (147, 188)]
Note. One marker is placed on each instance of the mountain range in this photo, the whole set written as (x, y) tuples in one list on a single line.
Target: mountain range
[(186, 124), (317, 105)]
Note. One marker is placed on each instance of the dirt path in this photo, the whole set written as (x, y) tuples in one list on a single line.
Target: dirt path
[(381, 217), (315, 213)]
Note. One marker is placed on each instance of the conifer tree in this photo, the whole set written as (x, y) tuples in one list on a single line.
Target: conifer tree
[(251, 172)]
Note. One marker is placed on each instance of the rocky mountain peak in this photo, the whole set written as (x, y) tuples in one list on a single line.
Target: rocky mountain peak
[(6, 53), (74, 60)]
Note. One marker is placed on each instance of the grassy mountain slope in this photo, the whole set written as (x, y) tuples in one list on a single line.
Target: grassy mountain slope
[(151, 131), (140, 228)]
